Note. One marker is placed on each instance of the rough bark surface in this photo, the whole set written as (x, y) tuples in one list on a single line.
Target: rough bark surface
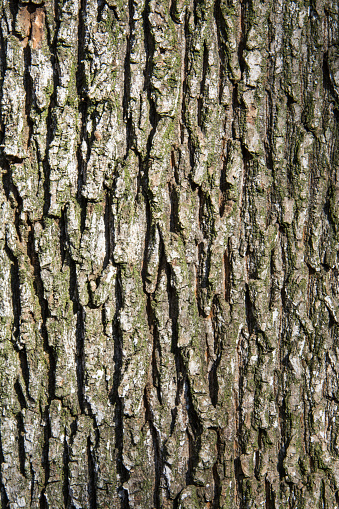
[(169, 233)]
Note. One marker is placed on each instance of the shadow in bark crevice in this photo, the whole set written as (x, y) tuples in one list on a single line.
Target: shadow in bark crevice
[(115, 399), (158, 450), (92, 476)]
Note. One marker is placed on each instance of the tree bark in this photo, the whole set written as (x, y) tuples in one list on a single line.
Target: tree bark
[(169, 233)]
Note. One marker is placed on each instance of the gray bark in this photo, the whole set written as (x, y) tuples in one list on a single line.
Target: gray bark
[(169, 233)]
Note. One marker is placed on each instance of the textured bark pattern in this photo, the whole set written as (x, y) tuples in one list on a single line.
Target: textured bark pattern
[(169, 229)]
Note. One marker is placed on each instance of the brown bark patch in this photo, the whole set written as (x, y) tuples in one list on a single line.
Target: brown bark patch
[(31, 25), (24, 21), (38, 19)]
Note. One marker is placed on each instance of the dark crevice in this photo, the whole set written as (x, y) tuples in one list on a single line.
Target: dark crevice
[(194, 431), (195, 12), (270, 496), (100, 7), (66, 486), (156, 350), (283, 444), (217, 487), (43, 502), (194, 420), (73, 291), (45, 456), (51, 122), (174, 215), (39, 291), (51, 113), (63, 244), (250, 318), (213, 381), (148, 72), (174, 411), (227, 272), (32, 481), (115, 399), (21, 442), (83, 214), (206, 216), (6, 181), (236, 109), (25, 369), (114, 10), (328, 84), (224, 186), (81, 158), (124, 499), (203, 286), (84, 105), (15, 200), (158, 456), (193, 144), (20, 395), (173, 10), (2, 75), (185, 76), (241, 431), (207, 226), (109, 231), (130, 135), (81, 85), (217, 468), (14, 7), (239, 478), (150, 234), (179, 363), (201, 120), (80, 358), (195, 428), (92, 476), (118, 346), (245, 7), (49, 26), (219, 338), (176, 501), (222, 51), (176, 164), (173, 314)]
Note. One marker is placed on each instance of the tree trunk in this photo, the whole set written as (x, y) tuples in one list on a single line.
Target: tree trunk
[(169, 232)]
